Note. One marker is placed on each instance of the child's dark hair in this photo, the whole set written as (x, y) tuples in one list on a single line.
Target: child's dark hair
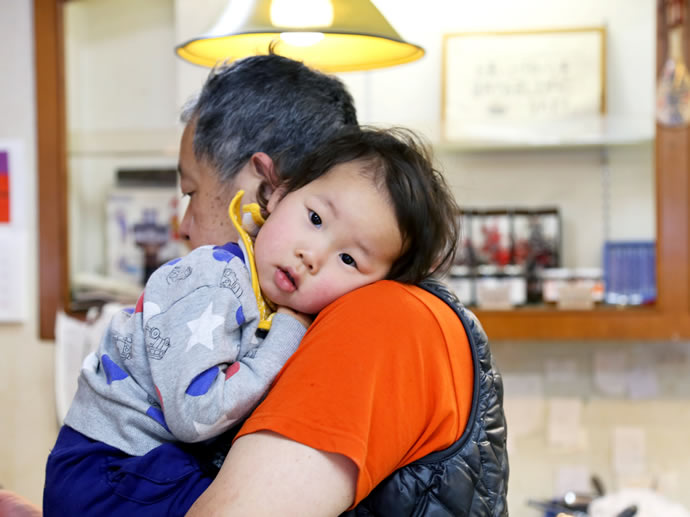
[(424, 206)]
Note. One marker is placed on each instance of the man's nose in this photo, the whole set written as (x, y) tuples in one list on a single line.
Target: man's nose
[(185, 226)]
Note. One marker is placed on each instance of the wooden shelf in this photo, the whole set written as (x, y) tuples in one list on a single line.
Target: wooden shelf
[(640, 323)]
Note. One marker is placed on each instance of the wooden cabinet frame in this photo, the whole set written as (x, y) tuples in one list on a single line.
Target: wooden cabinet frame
[(668, 319), (51, 133)]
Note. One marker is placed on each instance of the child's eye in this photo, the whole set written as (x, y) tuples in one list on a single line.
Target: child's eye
[(347, 259), (314, 218)]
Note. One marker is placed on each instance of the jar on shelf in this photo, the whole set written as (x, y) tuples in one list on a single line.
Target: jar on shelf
[(493, 292), (518, 283), (552, 280), (574, 288), (501, 287), (593, 278)]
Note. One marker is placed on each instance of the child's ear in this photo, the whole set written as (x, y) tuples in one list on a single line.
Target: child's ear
[(275, 197), (265, 168)]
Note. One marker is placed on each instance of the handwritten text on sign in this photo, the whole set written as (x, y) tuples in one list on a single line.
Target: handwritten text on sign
[(531, 76)]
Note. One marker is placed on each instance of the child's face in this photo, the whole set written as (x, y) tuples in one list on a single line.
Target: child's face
[(326, 239)]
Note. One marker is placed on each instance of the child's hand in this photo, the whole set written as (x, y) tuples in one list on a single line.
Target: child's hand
[(304, 319)]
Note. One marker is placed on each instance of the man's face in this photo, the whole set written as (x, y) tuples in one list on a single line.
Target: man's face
[(206, 219)]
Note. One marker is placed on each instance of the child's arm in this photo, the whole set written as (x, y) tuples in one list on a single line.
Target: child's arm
[(243, 384), (304, 319), (219, 396), (215, 370)]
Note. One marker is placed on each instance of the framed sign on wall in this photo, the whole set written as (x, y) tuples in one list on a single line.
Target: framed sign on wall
[(497, 85)]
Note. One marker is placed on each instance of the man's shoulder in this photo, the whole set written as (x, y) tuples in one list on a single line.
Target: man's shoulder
[(392, 300), (385, 290)]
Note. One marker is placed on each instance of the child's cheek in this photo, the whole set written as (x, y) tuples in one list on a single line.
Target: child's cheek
[(322, 296)]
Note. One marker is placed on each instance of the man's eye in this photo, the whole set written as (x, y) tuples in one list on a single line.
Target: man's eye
[(347, 259), (314, 218), (187, 194)]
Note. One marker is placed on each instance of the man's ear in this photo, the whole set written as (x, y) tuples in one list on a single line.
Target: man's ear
[(265, 168)]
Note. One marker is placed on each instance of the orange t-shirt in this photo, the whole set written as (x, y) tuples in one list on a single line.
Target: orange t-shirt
[(383, 376)]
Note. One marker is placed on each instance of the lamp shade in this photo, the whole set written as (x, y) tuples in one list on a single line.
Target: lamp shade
[(329, 35)]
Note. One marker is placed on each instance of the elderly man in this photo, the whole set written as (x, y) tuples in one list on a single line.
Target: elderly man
[(391, 404)]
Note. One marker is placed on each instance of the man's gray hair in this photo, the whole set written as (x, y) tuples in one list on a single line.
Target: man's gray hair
[(268, 104)]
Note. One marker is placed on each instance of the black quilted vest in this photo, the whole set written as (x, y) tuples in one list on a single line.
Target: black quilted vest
[(470, 478)]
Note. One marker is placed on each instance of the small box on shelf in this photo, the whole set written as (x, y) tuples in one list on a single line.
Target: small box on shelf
[(630, 272)]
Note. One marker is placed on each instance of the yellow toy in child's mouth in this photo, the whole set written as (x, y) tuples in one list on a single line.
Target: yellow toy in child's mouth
[(247, 220)]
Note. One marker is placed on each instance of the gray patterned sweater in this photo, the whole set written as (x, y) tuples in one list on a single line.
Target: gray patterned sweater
[(186, 363)]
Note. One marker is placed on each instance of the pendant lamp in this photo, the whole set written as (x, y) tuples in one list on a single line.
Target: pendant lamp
[(329, 35)]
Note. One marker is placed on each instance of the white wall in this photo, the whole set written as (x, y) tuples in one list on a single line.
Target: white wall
[(28, 426)]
